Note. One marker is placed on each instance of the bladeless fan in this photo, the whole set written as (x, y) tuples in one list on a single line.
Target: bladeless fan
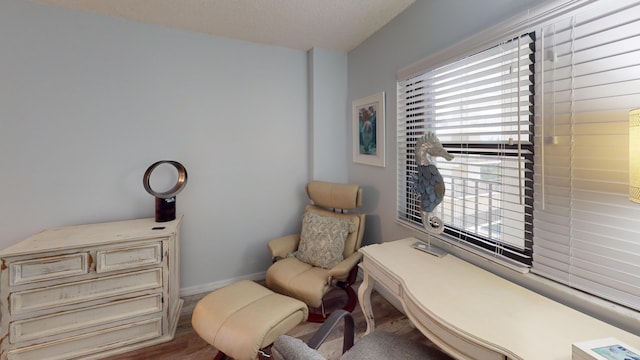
[(166, 201)]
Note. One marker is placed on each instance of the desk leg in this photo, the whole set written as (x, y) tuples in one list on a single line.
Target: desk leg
[(364, 296)]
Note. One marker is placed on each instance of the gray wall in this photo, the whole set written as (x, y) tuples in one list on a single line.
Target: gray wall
[(88, 102), (327, 107), (425, 28)]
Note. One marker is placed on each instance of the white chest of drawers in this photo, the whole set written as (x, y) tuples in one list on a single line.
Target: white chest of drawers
[(90, 291)]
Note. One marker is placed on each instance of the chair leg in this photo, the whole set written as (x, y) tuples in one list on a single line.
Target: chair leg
[(322, 333), (315, 317), (352, 300), (221, 356)]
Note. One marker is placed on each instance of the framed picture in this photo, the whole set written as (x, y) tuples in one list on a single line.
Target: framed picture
[(368, 130)]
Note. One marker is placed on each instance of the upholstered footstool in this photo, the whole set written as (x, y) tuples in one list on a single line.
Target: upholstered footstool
[(244, 317)]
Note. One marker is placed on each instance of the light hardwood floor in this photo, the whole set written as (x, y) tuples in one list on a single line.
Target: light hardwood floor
[(188, 345)]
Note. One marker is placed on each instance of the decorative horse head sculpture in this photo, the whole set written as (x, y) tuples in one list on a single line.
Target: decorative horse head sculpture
[(428, 184)]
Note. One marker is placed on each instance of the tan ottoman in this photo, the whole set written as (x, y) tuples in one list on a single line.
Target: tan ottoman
[(244, 317)]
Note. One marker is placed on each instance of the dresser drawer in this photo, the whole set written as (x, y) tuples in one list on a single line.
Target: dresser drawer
[(128, 257), (87, 344), (48, 268), (76, 292), (57, 324)]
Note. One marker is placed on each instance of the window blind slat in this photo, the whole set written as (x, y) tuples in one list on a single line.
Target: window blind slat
[(508, 78), (586, 231)]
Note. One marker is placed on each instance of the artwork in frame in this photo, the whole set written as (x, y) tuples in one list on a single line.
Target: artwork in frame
[(369, 130)]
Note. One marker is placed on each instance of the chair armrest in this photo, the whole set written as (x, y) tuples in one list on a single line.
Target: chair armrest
[(282, 246), (344, 267), (332, 321)]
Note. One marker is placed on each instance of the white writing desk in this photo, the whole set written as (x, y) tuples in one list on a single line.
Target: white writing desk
[(473, 314)]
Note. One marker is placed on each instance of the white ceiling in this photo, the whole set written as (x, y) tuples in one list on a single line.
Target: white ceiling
[(299, 24)]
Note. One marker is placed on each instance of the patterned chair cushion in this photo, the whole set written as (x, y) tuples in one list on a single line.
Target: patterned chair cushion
[(322, 240)]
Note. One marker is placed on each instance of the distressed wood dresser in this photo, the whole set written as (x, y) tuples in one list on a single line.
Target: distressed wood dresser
[(90, 291)]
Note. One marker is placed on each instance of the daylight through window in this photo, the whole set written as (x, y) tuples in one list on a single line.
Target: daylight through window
[(481, 110)]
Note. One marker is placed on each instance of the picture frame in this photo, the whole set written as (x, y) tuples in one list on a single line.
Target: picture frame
[(368, 116)]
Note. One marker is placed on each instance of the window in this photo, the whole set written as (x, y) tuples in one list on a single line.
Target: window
[(542, 176), (480, 108)]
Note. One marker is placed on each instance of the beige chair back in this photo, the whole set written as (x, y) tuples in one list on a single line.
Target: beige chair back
[(333, 199)]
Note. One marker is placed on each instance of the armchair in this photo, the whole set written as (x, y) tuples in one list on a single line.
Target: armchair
[(324, 255)]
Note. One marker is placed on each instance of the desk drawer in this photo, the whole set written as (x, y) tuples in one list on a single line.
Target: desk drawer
[(91, 343), (128, 257), (72, 293), (70, 321), (48, 268), (383, 278)]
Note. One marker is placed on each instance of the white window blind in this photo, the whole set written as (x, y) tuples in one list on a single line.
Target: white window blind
[(480, 108), (586, 231)]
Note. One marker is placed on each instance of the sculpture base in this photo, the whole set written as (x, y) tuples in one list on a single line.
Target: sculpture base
[(428, 248)]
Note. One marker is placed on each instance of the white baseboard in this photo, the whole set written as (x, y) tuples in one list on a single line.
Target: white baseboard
[(205, 288)]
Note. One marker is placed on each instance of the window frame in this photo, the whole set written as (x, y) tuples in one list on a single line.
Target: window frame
[(498, 149)]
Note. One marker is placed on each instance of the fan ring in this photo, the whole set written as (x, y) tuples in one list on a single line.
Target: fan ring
[(180, 184)]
